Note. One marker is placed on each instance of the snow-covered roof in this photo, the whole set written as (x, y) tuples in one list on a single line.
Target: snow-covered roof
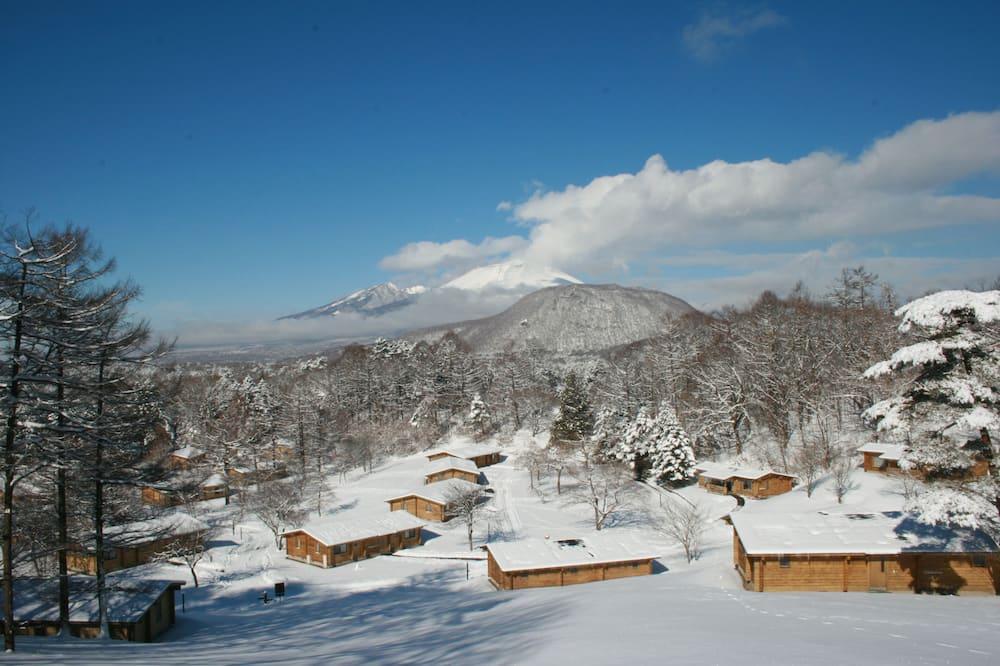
[(175, 523), (722, 472), (466, 451), (551, 553), (451, 462), (438, 492), (885, 451), (36, 599), (876, 533), (214, 480), (187, 453), (336, 529)]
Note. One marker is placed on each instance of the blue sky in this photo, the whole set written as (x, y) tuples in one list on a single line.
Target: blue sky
[(246, 160)]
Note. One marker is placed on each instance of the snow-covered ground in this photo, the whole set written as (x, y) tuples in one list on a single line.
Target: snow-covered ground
[(424, 609)]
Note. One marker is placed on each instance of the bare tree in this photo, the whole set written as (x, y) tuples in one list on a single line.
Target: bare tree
[(187, 548), (684, 523), (605, 487), (808, 465), (278, 505), (466, 504), (840, 471)]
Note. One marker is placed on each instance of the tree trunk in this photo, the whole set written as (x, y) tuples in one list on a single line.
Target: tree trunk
[(102, 598), (8, 480)]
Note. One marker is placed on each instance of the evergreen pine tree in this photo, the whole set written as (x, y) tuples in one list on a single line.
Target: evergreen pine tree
[(575, 420), (479, 416)]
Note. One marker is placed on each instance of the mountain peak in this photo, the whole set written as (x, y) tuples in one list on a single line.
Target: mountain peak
[(370, 302)]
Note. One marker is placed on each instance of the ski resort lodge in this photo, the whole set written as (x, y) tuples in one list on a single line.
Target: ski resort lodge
[(483, 456), (132, 544), (446, 468), (516, 565), (431, 501), (861, 552), (334, 541), (137, 610), (743, 481)]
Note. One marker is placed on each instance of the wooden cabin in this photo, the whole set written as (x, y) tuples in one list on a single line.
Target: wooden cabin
[(743, 481), (132, 544), (481, 455), (884, 458), (161, 496), (213, 487), (516, 565), (330, 542), (881, 457), (431, 501), (861, 552), (137, 610), (185, 458), (443, 469)]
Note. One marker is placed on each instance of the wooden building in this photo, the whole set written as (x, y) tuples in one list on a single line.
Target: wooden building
[(481, 455), (185, 458), (137, 610), (446, 468), (885, 458), (213, 487), (743, 481), (430, 502), (333, 541), (132, 544), (516, 565), (861, 552)]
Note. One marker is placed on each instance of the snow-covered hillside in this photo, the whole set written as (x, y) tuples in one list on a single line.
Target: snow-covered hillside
[(371, 302), (569, 319), (422, 606), (513, 275)]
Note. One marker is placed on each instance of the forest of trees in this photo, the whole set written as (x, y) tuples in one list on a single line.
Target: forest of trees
[(94, 404)]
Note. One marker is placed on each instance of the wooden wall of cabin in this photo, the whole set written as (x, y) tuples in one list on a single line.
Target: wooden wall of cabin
[(559, 577), (421, 508), (444, 475), (302, 546)]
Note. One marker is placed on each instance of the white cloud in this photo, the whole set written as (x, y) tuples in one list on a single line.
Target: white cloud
[(898, 185), (428, 256), (714, 32)]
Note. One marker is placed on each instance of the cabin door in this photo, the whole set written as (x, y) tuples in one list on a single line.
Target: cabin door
[(876, 574), (729, 487)]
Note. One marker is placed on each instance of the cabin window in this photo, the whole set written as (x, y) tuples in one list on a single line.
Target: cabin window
[(298, 543), (979, 560), (784, 562), (763, 485), (747, 485), (317, 546), (409, 534), (110, 554), (340, 549), (429, 507)]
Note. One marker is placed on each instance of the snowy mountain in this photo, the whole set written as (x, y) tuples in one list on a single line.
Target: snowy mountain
[(574, 318), (510, 275), (370, 302)]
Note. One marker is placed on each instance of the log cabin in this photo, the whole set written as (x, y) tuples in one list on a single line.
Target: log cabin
[(861, 552), (213, 487), (481, 455), (884, 458), (516, 565), (132, 544), (137, 611), (185, 458), (330, 542), (431, 501), (743, 481), (443, 469)]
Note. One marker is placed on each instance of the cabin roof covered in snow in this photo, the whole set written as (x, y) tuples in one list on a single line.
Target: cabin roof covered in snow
[(876, 533), (466, 451), (550, 553), (214, 480), (886, 451), (36, 599), (338, 529), (187, 453), (438, 492), (171, 524), (451, 462), (722, 471)]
